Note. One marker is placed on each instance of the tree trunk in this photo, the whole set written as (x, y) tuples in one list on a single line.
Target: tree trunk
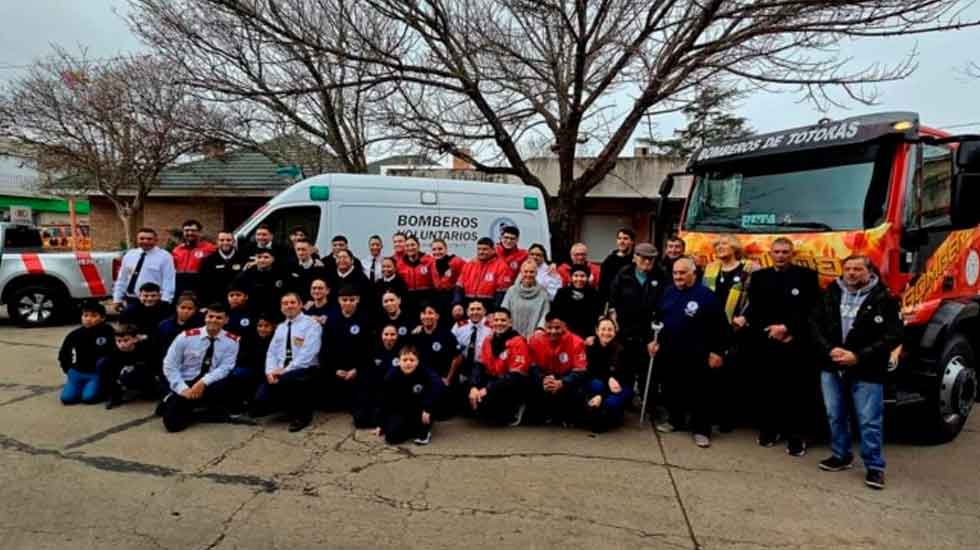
[(564, 217), (130, 219)]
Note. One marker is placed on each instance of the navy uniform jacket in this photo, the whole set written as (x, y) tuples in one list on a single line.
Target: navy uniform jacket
[(264, 287), (185, 358), (241, 322), (83, 347), (411, 393), (348, 342), (694, 323), (436, 350), (217, 273), (405, 323)]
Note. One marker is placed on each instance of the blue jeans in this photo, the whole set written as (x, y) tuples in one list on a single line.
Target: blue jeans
[(80, 386), (869, 407)]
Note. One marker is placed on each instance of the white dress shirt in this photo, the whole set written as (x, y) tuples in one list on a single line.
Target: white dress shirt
[(377, 268), (158, 267), (186, 354), (305, 334), (464, 333)]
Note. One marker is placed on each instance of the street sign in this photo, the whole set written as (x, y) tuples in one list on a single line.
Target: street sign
[(21, 214), (289, 171)]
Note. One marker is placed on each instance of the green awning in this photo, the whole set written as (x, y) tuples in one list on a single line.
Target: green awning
[(58, 206)]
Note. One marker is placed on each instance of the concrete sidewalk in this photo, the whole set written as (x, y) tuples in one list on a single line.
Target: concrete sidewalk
[(83, 477)]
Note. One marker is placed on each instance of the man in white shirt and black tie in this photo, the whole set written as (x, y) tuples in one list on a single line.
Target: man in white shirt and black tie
[(372, 264), (470, 336), (290, 366), (145, 264), (196, 367)]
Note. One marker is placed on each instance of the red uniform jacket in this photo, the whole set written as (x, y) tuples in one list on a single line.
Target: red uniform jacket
[(188, 260), (558, 358), (418, 275), (484, 279), (512, 259), (565, 272), (515, 357), (447, 280)]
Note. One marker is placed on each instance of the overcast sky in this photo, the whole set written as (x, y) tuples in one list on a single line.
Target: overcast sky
[(938, 90)]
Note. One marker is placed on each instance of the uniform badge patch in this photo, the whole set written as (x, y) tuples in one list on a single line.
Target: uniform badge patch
[(488, 277), (503, 355), (100, 341), (236, 267), (402, 331), (355, 329), (424, 270), (198, 254), (245, 322), (879, 319), (563, 357), (417, 389), (795, 292), (436, 346), (691, 309)]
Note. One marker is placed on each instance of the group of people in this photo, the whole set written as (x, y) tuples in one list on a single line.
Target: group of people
[(507, 337)]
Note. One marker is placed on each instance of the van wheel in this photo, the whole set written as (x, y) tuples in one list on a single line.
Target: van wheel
[(957, 389), (35, 305)]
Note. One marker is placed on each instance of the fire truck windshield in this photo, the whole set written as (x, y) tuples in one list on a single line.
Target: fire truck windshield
[(831, 189)]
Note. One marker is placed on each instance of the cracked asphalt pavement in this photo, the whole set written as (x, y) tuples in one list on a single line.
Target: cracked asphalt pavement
[(82, 477)]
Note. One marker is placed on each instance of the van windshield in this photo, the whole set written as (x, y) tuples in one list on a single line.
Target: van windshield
[(831, 189)]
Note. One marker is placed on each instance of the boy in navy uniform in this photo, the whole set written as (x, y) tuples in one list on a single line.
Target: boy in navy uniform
[(241, 319), (410, 395), (81, 353), (249, 369), (498, 383), (692, 343), (438, 350), (347, 346), (265, 282), (291, 366), (148, 313), (196, 368), (131, 367), (185, 317)]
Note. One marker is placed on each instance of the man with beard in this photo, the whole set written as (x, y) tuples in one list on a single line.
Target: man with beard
[(219, 269)]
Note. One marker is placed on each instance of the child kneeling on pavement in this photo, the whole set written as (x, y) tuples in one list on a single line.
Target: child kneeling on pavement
[(81, 353), (410, 395)]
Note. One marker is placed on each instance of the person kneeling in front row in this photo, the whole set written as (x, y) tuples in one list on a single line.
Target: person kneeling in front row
[(290, 366), (196, 367), (411, 392), (498, 384)]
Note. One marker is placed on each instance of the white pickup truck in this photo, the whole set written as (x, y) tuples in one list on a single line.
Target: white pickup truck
[(40, 287)]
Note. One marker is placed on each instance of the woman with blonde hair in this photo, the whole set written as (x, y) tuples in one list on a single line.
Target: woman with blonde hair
[(527, 301)]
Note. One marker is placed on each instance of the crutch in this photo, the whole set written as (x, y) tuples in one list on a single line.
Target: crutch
[(657, 327)]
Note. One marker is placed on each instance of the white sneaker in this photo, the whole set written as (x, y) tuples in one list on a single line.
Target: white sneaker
[(664, 427), (519, 416), (424, 439), (702, 441)]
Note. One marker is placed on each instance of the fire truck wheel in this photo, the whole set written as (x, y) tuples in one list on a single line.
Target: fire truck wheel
[(36, 305), (957, 389)]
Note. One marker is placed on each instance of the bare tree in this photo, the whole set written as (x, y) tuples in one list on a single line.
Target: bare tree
[(486, 75), (277, 88), (108, 128)]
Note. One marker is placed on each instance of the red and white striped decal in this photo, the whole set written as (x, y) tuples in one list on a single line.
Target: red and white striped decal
[(32, 263), (90, 273)]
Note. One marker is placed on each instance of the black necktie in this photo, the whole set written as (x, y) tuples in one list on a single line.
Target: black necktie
[(131, 287), (208, 357), (289, 348), (373, 262), (471, 350)]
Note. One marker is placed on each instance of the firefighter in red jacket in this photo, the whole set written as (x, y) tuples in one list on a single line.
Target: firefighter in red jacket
[(484, 278), (188, 256), (498, 382), (418, 272), (508, 250), (558, 366)]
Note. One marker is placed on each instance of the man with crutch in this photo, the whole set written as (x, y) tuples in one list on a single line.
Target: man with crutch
[(693, 341)]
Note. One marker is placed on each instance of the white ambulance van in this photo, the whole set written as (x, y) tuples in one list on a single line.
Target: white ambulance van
[(358, 206)]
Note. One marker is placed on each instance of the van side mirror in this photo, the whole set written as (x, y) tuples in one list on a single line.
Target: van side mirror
[(968, 156), (964, 205)]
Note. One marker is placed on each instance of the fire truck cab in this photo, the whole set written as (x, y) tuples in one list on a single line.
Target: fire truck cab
[(881, 185)]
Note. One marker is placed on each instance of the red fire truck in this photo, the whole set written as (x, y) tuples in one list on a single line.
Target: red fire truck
[(882, 185)]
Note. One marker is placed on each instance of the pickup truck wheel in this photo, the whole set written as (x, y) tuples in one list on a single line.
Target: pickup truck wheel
[(957, 389), (35, 305)]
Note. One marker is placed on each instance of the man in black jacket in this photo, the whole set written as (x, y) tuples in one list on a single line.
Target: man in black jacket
[(219, 269), (633, 297), (619, 258), (777, 321), (855, 326)]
